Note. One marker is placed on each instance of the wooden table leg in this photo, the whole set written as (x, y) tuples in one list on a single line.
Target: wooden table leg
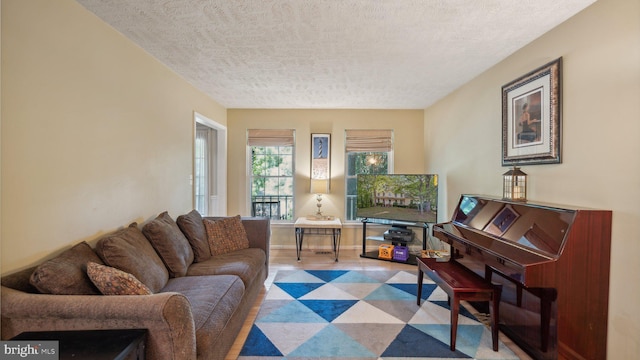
[(455, 304), (460, 284), (420, 279)]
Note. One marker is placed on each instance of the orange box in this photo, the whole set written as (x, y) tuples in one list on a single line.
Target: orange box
[(385, 251)]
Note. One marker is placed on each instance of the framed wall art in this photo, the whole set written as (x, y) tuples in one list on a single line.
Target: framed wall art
[(320, 156), (531, 117)]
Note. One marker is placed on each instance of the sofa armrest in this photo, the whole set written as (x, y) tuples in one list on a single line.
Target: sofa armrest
[(259, 233), (167, 316)]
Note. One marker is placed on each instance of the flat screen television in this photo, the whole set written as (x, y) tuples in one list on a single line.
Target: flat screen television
[(397, 197)]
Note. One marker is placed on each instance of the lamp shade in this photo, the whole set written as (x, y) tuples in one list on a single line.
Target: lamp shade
[(319, 186)]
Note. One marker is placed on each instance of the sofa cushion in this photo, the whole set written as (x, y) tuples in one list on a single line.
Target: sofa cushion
[(226, 235), (111, 281), (129, 250), (66, 274), (174, 249), (245, 263), (214, 300), (193, 229)]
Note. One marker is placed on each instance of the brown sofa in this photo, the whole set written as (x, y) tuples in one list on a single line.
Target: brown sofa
[(198, 301)]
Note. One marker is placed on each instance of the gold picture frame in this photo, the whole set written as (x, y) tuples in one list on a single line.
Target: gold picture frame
[(531, 117)]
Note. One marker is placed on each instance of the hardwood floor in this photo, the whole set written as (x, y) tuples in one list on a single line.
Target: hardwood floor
[(285, 259)]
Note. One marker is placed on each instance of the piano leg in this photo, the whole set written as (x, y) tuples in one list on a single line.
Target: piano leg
[(545, 320), (495, 314), (495, 305), (488, 273), (518, 295), (547, 296)]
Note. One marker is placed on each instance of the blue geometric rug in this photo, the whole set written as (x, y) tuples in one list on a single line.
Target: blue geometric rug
[(358, 315)]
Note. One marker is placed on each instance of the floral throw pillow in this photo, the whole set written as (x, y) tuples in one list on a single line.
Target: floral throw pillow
[(226, 235), (112, 281)]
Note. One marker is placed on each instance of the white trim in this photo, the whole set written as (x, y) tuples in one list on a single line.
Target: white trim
[(221, 160)]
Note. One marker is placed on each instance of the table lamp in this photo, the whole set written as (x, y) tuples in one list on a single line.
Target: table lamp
[(319, 187)]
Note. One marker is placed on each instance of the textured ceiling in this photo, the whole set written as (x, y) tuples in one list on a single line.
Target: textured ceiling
[(332, 54)]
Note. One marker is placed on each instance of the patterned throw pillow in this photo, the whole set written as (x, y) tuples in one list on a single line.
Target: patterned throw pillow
[(111, 281), (226, 235)]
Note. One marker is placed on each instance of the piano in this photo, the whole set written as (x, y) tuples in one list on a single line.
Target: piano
[(552, 263)]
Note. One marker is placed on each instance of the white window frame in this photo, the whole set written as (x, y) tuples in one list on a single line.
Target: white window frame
[(367, 141), (217, 202), (266, 138)]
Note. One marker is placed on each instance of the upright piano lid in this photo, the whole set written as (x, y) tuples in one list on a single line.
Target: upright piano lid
[(542, 229)]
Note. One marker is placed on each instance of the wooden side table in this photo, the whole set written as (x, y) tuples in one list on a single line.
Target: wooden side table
[(460, 284), (126, 344), (332, 228)]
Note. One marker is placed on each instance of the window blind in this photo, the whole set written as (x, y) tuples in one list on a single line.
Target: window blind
[(368, 140), (202, 169), (270, 137)]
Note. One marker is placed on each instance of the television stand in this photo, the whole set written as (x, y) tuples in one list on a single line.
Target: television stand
[(397, 226)]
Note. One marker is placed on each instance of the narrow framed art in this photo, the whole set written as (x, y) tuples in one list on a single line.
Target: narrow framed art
[(531, 117), (320, 156)]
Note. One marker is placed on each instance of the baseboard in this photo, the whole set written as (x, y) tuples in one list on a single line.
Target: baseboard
[(319, 247)]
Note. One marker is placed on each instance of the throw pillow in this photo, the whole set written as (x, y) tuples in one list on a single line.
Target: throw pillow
[(112, 281), (65, 274), (129, 250), (193, 229), (174, 249), (226, 235)]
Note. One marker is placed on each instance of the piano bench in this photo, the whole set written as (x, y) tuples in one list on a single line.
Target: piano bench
[(461, 284)]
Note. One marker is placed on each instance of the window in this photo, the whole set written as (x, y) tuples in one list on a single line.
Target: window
[(367, 152), (272, 169)]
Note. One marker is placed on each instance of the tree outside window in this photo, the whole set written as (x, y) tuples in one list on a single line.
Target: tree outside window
[(272, 169), (362, 163)]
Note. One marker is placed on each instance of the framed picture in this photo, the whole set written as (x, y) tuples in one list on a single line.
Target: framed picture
[(502, 221), (320, 156), (531, 128)]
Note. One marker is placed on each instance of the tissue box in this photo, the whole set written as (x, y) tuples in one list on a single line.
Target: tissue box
[(400, 253), (385, 251)]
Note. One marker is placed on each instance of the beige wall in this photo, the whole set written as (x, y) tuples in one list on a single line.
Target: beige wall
[(600, 48), (408, 154), (95, 132)]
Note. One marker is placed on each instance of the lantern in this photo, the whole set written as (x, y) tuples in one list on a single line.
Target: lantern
[(514, 185)]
